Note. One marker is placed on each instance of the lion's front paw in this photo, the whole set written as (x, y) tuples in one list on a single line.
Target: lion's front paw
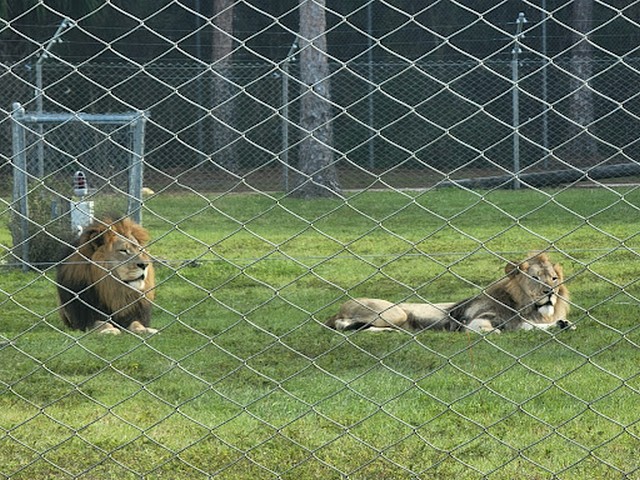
[(106, 328), (139, 329), (565, 325)]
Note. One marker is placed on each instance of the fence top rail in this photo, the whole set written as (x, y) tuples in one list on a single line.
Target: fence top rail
[(19, 115)]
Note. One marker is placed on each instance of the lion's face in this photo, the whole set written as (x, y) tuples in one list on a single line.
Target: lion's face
[(126, 260), (117, 251), (540, 280)]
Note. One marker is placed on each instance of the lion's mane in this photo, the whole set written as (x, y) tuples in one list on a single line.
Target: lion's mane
[(532, 293), (106, 278)]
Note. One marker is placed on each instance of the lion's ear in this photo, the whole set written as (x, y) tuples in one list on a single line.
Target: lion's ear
[(512, 268), (92, 237), (559, 271)]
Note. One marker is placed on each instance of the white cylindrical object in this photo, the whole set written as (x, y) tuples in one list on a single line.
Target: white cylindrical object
[(81, 215)]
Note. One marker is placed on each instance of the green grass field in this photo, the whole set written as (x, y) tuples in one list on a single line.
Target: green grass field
[(244, 381)]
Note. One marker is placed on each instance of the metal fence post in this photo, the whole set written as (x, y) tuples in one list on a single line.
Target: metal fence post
[(134, 202), (520, 21), (39, 90), (545, 86), (20, 181), (370, 102)]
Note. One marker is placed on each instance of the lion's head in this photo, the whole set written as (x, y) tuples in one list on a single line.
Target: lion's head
[(539, 282), (117, 251), (108, 277)]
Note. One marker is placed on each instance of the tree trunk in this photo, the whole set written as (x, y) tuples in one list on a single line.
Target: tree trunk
[(584, 146), (318, 177), (223, 109)]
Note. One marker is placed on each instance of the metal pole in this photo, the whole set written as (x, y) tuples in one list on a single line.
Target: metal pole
[(198, 36), (545, 117), (39, 129), (515, 94), (20, 183), (199, 89), (136, 173), (39, 91), (370, 109)]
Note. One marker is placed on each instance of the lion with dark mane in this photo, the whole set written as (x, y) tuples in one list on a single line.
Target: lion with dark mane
[(106, 281), (532, 294)]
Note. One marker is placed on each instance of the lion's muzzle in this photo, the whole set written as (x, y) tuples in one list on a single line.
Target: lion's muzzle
[(134, 274), (546, 305), (141, 278)]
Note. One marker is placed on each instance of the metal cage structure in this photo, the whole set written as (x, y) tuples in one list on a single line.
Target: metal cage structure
[(24, 123)]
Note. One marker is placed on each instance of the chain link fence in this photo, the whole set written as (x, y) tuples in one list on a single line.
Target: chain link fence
[(462, 136), (424, 123)]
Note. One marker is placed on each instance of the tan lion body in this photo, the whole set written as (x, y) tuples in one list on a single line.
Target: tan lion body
[(531, 295), (106, 281)]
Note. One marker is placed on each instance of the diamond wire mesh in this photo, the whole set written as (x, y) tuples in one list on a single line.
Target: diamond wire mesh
[(242, 380)]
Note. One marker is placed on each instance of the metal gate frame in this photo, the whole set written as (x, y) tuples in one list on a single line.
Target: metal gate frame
[(20, 121)]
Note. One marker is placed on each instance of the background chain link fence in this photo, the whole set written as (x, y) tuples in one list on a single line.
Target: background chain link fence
[(438, 119), (462, 134)]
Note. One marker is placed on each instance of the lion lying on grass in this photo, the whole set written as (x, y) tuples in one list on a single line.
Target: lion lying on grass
[(531, 295), (106, 281)]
